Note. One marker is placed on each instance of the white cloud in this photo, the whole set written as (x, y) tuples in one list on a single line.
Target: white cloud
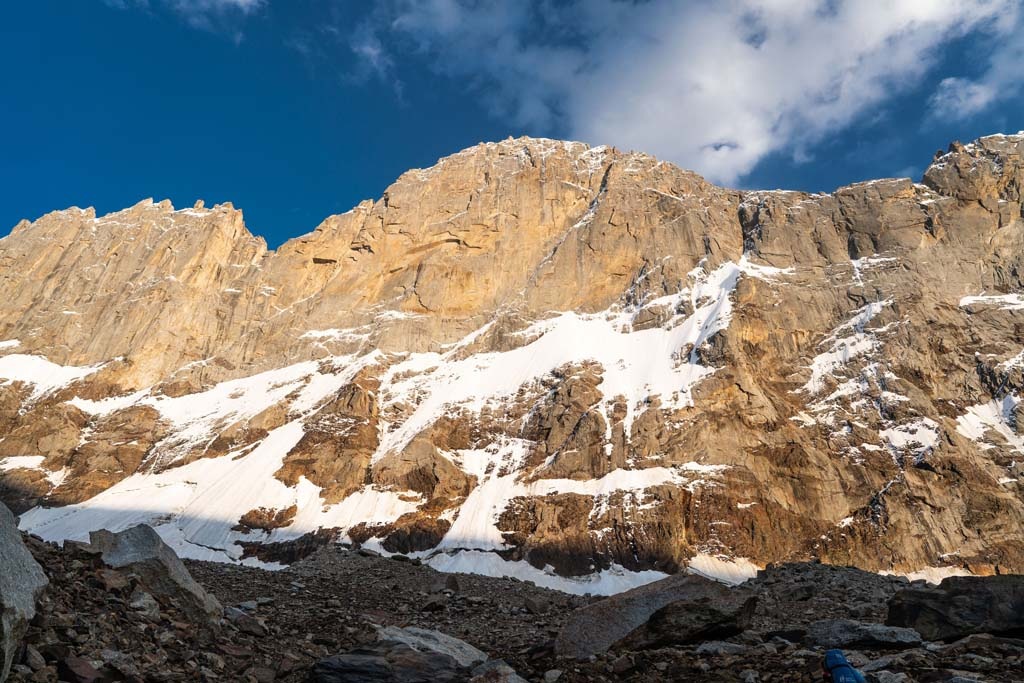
[(958, 98), (712, 85), (214, 14), (367, 46), (205, 14), (188, 6), (488, 44), (374, 59)]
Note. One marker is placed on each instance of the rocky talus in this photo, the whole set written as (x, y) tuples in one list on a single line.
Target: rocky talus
[(340, 616), (570, 364)]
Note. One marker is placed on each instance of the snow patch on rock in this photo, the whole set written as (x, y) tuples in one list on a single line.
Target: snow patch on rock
[(846, 342), (45, 376), (615, 579), (995, 417), (1006, 302), (195, 507), (919, 437)]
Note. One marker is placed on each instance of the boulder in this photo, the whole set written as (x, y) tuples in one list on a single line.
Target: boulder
[(961, 606), (413, 655), (387, 661), (678, 609), (141, 551), (495, 671), (245, 622), (719, 647), (78, 670), (719, 613), (21, 582), (146, 604), (846, 633), (426, 640), (889, 677)]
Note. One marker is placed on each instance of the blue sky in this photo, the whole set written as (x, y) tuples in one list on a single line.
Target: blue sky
[(297, 109)]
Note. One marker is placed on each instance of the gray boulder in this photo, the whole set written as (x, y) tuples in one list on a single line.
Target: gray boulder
[(679, 609), (141, 551), (413, 655), (426, 640), (721, 647), (961, 606), (845, 633), (387, 661), (21, 582), (888, 677), (495, 671)]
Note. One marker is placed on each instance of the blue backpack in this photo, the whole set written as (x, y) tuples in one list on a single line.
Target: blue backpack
[(840, 670)]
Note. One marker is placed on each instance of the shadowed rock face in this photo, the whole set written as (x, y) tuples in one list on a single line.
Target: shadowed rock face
[(674, 611), (961, 606), (577, 357), (21, 583)]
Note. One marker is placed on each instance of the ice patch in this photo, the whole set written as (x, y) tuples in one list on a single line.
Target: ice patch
[(196, 419), (333, 334), (804, 419)]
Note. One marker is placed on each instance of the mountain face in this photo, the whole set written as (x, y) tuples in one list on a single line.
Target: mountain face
[(537, 358)]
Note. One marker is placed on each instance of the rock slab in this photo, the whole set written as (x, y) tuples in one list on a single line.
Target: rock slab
[(680, 608), (961, 606), (846, 633), (21, 582), (141, 550), (387, 661), (427, 640), (413, 655), (720, 612)]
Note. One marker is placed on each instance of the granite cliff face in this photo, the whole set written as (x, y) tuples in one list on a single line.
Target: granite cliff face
[(537, 358)]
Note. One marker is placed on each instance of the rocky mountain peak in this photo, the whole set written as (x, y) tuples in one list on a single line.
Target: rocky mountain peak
[(986, 170), (568, 363)]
